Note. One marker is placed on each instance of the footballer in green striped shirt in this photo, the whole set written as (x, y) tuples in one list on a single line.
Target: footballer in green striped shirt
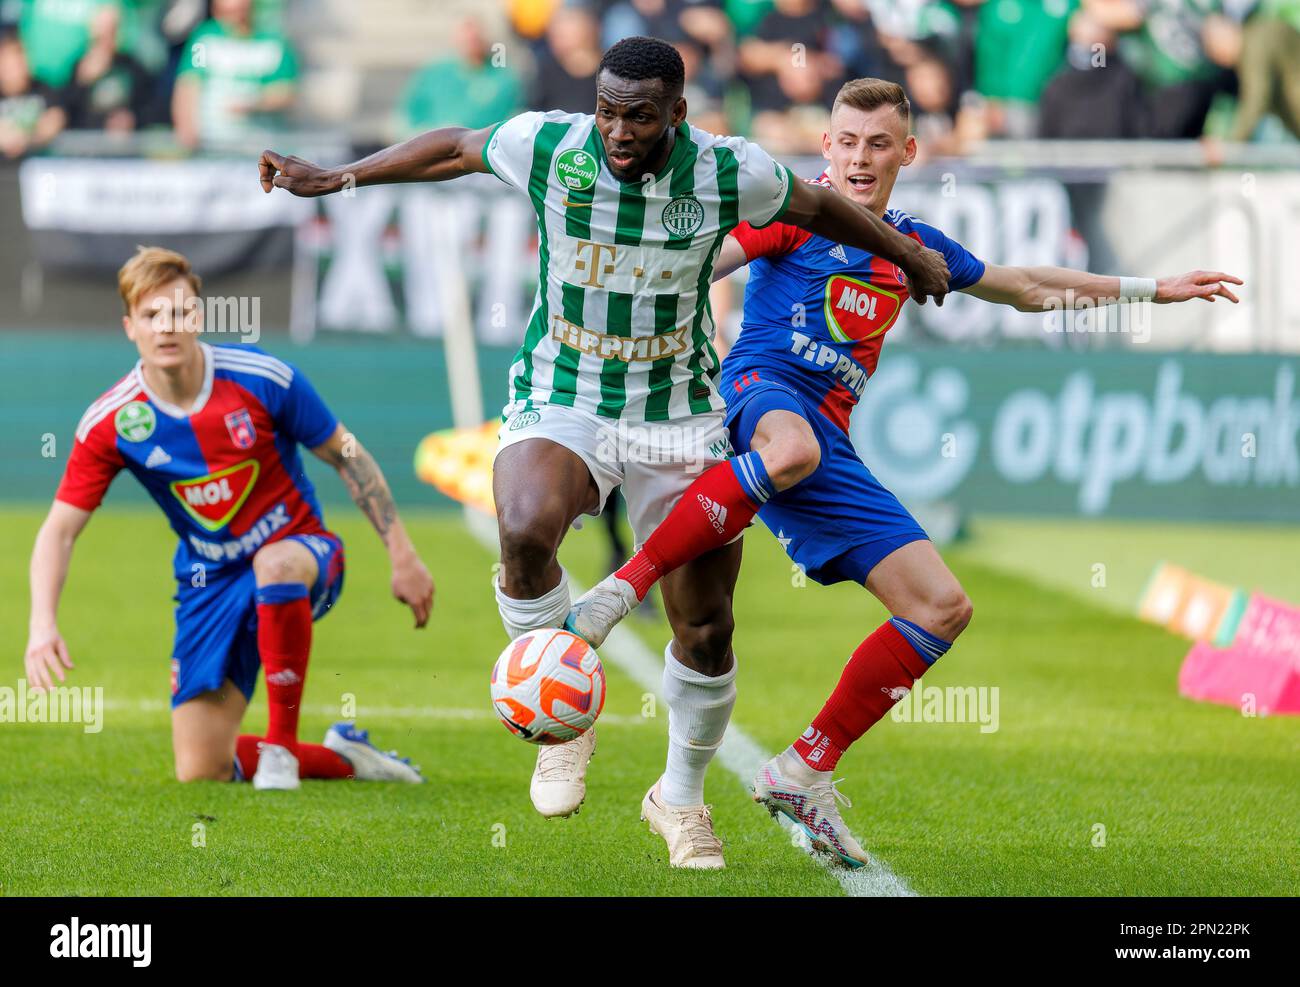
[(614, 382)]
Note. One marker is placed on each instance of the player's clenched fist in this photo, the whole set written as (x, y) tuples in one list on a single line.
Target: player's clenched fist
[(296, 175), (927, 276)]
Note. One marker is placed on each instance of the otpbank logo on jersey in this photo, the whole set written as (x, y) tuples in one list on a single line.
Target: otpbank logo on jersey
[(856, 310), (240, 426), (576, 170), (214, 499)]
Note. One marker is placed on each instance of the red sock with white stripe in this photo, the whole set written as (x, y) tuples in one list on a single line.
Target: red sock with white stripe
[(713, 510), (284, 643), (314, 760), (879, 673)]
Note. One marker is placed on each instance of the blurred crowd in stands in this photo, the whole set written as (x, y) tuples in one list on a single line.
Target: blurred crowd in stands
[(212, 73)]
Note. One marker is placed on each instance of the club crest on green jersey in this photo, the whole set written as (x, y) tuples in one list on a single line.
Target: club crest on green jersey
[(576, 169), (135, 421), (683, 216)]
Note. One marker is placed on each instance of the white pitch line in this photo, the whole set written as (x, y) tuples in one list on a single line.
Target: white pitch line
[(363, 712), (740, 754)]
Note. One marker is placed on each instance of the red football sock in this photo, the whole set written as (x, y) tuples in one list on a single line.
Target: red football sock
[(284, 643), (881, 665), (314, 761), (712, 511)]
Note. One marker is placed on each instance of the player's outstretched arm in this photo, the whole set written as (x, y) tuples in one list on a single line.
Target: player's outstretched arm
[(412, 583), (47, 655), (1038, 289), (825, 212), (435, 156)]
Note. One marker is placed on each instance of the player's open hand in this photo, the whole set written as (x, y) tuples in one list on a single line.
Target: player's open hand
[(413, 585), (927, 276), (298, 176), (1208, 285), (47, 656)]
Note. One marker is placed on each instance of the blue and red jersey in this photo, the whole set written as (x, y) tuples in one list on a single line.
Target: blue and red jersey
[(816, 311), (227, 473)]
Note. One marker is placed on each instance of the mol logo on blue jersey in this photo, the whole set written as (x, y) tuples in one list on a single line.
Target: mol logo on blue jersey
[(856, 310)]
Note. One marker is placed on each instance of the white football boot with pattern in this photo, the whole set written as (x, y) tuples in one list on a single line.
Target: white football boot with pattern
[(594, 614), (368, 762), (785, 784), (688, 831), (559, 782), (277, 768)]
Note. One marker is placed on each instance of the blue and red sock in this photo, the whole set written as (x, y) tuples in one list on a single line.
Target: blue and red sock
[(879, 673), (713, 510), (284, 643)]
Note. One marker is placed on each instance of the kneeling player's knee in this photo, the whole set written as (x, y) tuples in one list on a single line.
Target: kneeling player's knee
[(203, 770)]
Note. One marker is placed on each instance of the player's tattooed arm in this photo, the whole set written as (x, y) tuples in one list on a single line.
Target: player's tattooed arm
[(436, 156), (365, 481), (825, 212), (1038, 289)]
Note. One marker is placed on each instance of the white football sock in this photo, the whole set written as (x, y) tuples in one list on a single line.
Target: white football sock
[(548, 610), (699, 708)]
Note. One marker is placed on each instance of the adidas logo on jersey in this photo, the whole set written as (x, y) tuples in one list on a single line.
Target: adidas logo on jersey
[(157, 457), (717, 513), (838, 253)]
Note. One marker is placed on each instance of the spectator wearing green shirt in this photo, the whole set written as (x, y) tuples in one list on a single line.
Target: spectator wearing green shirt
[(31, 113), (59, 35), (1019, 46), (468, 88), (235, 81), (1169, 44)]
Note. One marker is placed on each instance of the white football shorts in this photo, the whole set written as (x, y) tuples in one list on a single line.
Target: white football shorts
[(653, 461)]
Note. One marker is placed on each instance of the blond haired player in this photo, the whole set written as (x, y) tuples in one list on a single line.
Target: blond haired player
[(212, 434)]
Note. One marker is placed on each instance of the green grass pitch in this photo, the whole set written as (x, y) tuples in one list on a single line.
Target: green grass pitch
[(1093, 744)]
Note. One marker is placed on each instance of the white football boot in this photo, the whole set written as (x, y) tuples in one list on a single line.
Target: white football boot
[(560, 779), (277, 768), (594, 614), (785, 784), (687, 829), (368, 761)]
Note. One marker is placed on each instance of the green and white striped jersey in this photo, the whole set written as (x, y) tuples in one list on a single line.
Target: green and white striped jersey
[(621, 325)]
